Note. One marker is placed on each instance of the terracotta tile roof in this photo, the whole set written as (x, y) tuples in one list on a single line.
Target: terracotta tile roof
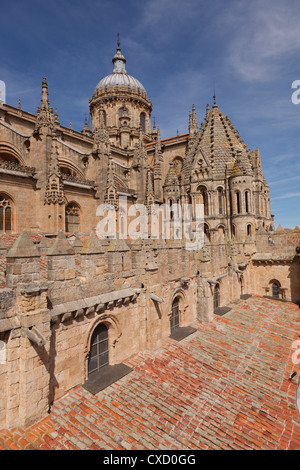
[(169, 140), (224, 387)]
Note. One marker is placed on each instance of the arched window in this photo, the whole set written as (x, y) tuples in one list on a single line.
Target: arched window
[(175, 320), (238, 202), (171, 209), (99, 349), (104, 118), (206, 231), (66, 170), (275, 290), (233, 230), (143, 121), (216, 296), (249, 230), (123, 112), (7, 157), (247, 201), (220, 201), (203, 198), (5, 214), (178, 162), (72, 218)]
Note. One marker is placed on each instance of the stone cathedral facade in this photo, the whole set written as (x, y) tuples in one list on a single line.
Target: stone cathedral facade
[(74, 305)]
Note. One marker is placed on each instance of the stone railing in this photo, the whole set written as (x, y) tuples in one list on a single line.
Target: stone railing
[(16, 167), (77, 180)]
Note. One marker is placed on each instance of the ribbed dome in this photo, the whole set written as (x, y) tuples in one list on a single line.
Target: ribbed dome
[(119, 78), (119, 75)]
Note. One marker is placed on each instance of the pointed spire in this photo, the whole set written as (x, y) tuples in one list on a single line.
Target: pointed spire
[(86, 130), (140, 153), (158, 140), (101, 136), (171, 178), (45, 100), (207, 112), (56, 120), (111, 196), (193, 121), (158, 167), (44, 114), (149, 189)]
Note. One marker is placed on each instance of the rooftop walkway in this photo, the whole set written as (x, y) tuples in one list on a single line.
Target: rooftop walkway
[(226, 386)]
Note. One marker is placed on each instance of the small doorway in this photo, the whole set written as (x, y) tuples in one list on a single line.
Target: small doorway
[(99, 350), (216, 297), (174, 320)]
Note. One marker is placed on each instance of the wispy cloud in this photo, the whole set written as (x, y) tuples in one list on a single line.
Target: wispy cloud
[(286, 196), (284, 180), (265, 34)]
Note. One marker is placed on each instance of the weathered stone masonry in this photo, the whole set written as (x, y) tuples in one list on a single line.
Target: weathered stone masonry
[(46, 322), (61, 287)]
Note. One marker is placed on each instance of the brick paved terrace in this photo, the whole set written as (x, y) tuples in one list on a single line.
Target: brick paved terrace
[(224, 387)]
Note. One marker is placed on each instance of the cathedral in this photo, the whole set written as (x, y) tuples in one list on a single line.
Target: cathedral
[(74, 304)]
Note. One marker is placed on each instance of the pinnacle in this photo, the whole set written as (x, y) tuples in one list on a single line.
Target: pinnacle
[(23, 247), (61, 246)]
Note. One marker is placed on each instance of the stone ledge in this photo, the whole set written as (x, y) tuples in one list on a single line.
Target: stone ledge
[(90, 302)]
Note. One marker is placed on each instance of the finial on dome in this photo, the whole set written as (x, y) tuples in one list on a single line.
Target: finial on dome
[(119, 60)]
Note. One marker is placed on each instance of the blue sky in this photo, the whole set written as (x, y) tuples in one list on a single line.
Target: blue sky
[(178, 49)]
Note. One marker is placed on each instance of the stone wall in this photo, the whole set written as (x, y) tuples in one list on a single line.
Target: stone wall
[(57, 291)]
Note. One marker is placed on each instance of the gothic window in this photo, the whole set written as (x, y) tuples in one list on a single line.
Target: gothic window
[(67, 171), (99, 349), (5, 214), (7, 157), (174, 320), (143, 121), (72, 218)]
